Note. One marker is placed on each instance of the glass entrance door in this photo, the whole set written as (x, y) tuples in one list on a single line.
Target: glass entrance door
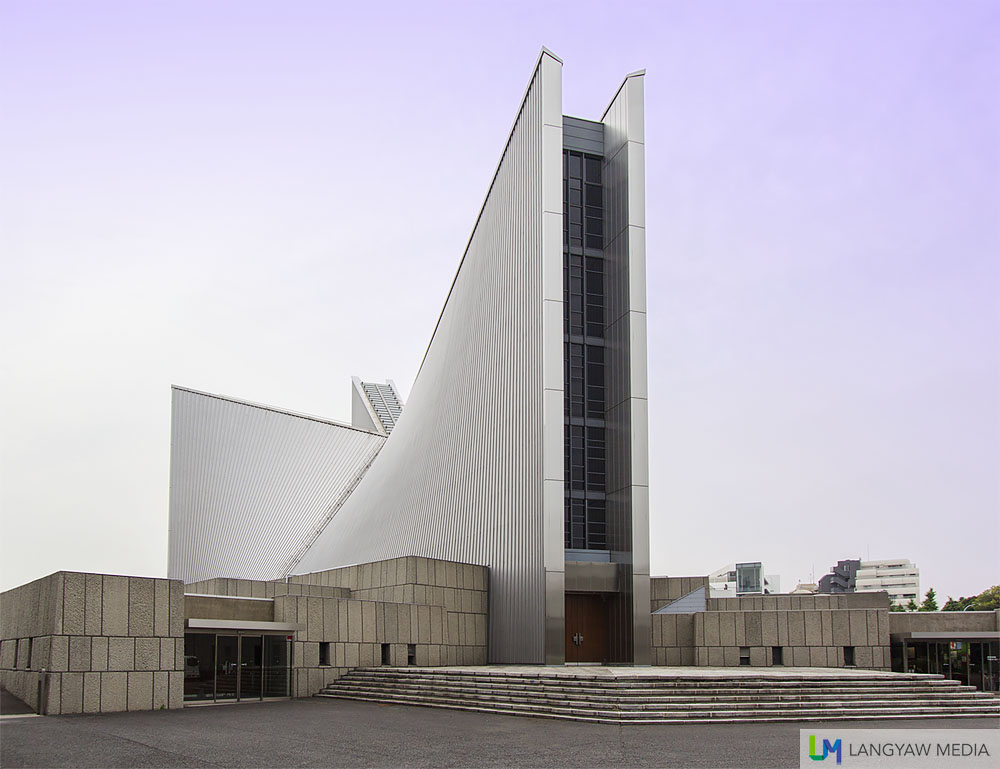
[(246, 666), (227, 663), (250, 667), (277, 672)]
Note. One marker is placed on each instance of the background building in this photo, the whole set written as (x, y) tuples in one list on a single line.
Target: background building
[(742, 579), (899, 578), (841, 577)]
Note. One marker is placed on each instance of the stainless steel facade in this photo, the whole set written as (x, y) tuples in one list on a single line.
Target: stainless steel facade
[(252, 486), (473, 469), (627, 416)]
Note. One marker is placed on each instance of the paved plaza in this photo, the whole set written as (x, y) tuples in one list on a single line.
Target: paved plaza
[(316, 732)]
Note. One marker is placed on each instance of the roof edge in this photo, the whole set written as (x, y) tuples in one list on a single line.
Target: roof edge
[(637, 73), (275, 409)]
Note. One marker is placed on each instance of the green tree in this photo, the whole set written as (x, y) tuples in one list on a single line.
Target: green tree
[(896, 607), (912, 605), (958, 605), (988, 600), (930, 601)]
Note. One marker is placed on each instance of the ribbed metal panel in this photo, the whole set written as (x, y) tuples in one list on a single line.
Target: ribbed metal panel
[(583, 135), (251, 486), (461, 477), (627, 423)]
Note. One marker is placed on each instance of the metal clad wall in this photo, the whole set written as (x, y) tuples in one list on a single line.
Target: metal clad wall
[(250, 484), (627, 423), (461, 476)]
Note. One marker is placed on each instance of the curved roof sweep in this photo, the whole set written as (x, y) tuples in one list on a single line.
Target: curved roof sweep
[(251, 486), (464, 475)]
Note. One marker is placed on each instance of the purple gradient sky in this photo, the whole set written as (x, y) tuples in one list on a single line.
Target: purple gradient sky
[(261, 199)]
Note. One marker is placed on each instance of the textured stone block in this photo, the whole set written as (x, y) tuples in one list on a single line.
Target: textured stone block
[(368, 621), (59, 656), (94, 590), (72, 693), (711, 629), (813, 621), (74, 603), (79, 655), (841, 627), (796, 628), (166, 654), (730, 656), (480, 623), (91, 692), (354, 621), (753, 629), (758, 656), (685, 629), (176, 608), (147, 653), (176, 689), (352, 655), (331, 620), (161, 608), (863, 656), (741, 628), (8, 658), (859, 627), (826, 628), (873, 627), (99, 654), (140, 608), (716, 657), (41, 652), (769, 628), (121, 654), (140, 689), (314, 618), (437, 625), (817, 656), (800, 656), (423, 624), (161, 690), (727, 628), (114, 691), (114, 608)]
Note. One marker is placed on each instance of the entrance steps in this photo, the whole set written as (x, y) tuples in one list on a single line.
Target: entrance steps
[(674, 695)]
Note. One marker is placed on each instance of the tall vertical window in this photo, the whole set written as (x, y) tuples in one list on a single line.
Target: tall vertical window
[(584, 322)]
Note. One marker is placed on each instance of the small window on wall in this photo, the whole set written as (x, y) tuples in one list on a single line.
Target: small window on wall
[(744, 655), (27, 655), (848, 656), (776, 656), (324, 654), (411, 654)]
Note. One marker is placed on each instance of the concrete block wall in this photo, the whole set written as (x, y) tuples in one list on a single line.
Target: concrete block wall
[(95, 643), (808, 637), (665, 590), (460, 588), (250, 588), (437, 607), (783, 602)]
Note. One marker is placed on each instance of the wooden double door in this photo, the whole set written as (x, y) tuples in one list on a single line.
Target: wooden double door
[(586, 628)]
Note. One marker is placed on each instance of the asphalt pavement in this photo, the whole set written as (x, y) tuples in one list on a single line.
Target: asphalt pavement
[(342, 733)]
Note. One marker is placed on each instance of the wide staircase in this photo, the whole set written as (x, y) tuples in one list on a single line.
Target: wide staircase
[(673, 698)]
